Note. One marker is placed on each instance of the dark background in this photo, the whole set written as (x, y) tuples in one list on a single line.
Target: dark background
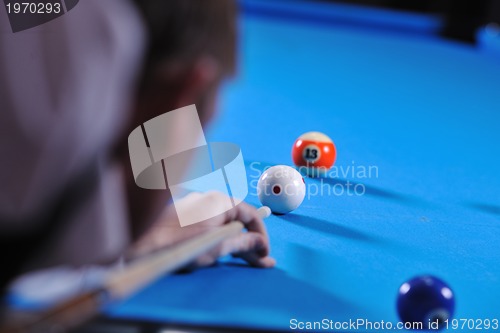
[(461, 17)]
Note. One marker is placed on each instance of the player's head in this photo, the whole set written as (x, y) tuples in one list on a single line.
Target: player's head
[(191, 48)]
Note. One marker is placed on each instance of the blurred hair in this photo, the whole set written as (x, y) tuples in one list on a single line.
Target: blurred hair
[(180, 31)]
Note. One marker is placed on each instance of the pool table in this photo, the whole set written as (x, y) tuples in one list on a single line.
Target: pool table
[(415, 188)]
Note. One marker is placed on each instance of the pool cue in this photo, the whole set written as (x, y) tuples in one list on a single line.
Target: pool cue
[(81, 308)]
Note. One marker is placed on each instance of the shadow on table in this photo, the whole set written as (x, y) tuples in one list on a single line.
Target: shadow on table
[(327, 227), (235, 294), (285, 291), (368, 189), (344, 183), (485, 208)]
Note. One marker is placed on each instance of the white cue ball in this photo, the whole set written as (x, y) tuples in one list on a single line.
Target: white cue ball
[(281, 188)]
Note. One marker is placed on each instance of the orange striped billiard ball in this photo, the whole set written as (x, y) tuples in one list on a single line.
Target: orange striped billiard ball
[(314, 153)]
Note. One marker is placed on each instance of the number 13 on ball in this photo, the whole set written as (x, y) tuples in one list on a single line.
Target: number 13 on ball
[(314, 153)]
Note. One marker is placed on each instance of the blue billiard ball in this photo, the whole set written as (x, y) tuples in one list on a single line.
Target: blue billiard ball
[(425, 299)]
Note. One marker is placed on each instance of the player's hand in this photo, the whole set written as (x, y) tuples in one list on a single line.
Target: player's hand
[(252, 246)]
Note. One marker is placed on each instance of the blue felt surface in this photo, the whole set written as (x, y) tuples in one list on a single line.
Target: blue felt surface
[(424, 111)]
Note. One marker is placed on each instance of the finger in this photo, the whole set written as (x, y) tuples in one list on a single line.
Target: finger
[(249, 216), (261, 262), (250, 246), (244, 242)]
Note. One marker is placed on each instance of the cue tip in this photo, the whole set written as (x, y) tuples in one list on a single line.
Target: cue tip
[(264, 212)]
